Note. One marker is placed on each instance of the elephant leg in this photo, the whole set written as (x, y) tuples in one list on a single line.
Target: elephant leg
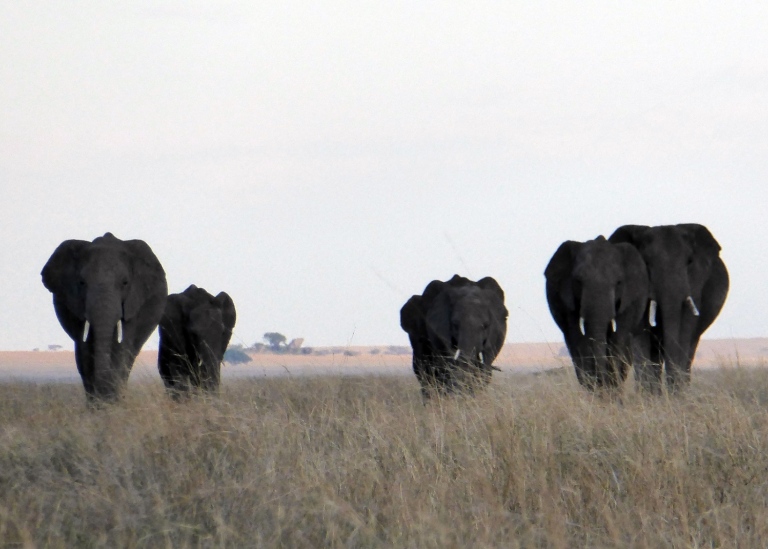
[(647, 362), (677, 377), (85, 369)]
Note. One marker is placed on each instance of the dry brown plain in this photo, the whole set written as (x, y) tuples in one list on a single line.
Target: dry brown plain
[(357, 360)]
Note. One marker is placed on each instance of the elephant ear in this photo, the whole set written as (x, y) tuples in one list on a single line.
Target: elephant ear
[(635, 288), (489, 284), (62, 269), (149, 289), (228, 316), (701, 239), (558, 274), (631, 234), (705, 250), (412, 317), (61, 275)]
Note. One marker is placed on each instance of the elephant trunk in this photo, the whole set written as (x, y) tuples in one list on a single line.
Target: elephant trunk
[(103, 333), (674, 347), (596, 321), (470, 348)]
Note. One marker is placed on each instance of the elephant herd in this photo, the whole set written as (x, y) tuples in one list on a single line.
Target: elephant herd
[(641, 298), (109, 295)]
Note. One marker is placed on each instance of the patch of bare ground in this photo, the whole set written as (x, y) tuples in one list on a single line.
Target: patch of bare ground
[(357, 360), (336, 461)]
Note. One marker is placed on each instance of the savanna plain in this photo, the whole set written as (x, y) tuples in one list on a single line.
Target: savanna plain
[(360, 461)]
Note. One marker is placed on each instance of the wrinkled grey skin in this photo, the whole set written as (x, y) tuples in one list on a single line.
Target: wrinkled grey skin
[(457, 315), (106, 282), (598, 286), (683, 261), (194, 333)]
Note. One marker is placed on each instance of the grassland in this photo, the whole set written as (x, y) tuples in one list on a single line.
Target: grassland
[(360, 462)]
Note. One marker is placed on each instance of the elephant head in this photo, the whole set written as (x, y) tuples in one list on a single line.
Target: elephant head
[(457, 329), (194, 333), (597, 293), (108, 295), (689, 284)]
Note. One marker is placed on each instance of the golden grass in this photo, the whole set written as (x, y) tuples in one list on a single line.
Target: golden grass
[(361, 462)]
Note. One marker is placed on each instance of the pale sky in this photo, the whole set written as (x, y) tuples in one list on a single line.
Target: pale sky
[(322, 163)]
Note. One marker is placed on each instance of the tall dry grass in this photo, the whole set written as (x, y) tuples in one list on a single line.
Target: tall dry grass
[(534, 461)]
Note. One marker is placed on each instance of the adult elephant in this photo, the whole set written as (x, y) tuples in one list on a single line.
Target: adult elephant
[(456, 329), (194, 333), (689, 284), (598, 292), (108, 295)]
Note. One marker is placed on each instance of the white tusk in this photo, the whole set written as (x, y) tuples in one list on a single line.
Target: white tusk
[(613, 325), (456, 356), (652, 313), (200, 362), (119, 331), (482, 358), (692, 305), (86, 330), (581, 326)]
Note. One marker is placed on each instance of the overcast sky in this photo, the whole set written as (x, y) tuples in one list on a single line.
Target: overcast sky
[(323, 163)]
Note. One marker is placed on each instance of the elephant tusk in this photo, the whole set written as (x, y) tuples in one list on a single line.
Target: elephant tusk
[(481, 357), (199, 362), (613, 325), (581, 326), (86, 330), (652, 313), (692, 305), (119, 331), (456, 356)]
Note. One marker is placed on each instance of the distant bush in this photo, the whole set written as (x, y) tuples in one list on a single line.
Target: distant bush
[(398, 350), (375, 351), (236, 355)]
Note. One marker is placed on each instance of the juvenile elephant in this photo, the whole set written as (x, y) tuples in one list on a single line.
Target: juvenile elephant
[(598, 292), (194, 333), (456, 329), (689, 284), (108, 295)]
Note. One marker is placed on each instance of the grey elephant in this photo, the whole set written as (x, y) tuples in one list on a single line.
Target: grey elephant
[(194, 333), (598, 293), (456, 329), (108, 295), (689, 285)]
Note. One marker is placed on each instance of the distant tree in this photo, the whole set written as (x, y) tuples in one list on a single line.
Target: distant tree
[(375, 351), (275, 341), (54, 347), (236, 355)]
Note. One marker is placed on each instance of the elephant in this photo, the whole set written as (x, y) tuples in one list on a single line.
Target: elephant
[(456, 329), (598, 293), (689, 285), (195, 330), (108, 295)]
